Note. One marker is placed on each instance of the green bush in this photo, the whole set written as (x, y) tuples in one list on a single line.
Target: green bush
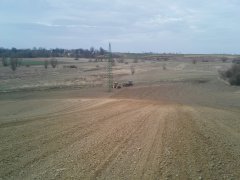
[(232, 75)]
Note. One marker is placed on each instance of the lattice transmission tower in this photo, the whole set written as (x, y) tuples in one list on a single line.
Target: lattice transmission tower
[(110, 74)]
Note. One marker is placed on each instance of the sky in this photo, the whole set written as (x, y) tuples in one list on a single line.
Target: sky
[(176, 26)]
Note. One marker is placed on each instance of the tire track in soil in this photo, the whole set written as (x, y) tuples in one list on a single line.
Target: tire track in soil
[(146, 141), (220, 133), (151, 168), (142, 150), (107, 144), (174, 141), (93, 111), (74, 109), (120, 147), (190, 153), (68, 133), (144, 146), (178, 142)]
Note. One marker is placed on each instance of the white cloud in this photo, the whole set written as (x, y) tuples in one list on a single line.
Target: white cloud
[(161, 20), (127, 23), (64, 26)]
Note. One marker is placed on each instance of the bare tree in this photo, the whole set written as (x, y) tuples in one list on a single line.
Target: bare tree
[(4, 61), (113, 62), (224, 59), (46, 64), (194, 61), (164, 66), (54, 62), (19, 62), (14, 63), (132, 70), (121, 60), (135, 60)]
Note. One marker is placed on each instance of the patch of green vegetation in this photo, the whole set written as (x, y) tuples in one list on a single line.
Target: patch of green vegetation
[(21, 62), (3, 88), (210, 55), (32, 63)]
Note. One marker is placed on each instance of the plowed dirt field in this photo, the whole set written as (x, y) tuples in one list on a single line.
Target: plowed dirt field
[(117, 138)]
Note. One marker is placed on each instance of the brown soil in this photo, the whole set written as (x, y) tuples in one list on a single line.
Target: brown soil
[(109, 138)]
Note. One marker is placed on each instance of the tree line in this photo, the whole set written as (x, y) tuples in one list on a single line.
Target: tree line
[(57, 52)]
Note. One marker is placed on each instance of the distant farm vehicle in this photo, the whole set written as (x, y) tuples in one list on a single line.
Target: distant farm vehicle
[(117, 85), (73, 66), (101, 58), (129, 83), (70, 66)]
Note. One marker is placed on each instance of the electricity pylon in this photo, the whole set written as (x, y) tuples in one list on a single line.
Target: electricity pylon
[(110, 74)]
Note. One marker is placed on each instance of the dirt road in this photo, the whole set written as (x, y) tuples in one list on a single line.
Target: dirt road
[(117, 139)]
